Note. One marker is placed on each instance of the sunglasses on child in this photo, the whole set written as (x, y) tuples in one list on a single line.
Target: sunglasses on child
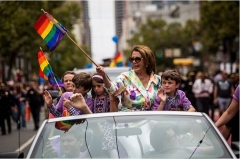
[(136, 59)]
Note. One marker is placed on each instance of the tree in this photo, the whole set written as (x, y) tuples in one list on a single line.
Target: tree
[(159, 35), (19, 38), (219, 22)]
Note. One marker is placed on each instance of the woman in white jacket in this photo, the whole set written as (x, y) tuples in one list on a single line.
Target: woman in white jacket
[(202, 89)]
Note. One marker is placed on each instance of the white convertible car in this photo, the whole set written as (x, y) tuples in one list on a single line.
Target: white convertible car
[(146, 134)]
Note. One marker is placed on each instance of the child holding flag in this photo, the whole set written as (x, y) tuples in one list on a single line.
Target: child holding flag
[(82, 84)]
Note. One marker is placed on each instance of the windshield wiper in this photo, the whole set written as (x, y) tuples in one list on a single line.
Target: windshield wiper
[(200, 142)]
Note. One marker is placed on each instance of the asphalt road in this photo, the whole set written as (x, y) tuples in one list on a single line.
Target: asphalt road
[(19, 139)]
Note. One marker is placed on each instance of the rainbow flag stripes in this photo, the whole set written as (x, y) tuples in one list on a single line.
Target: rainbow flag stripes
[(64, 125), (46, 71), (50, 30), (117, 60)]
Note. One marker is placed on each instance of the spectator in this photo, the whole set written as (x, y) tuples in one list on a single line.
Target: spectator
[(6, 104), (223, 92), (34, 95), (202, 89)]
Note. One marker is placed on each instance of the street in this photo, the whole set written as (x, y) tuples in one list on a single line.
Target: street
[(19, 139)]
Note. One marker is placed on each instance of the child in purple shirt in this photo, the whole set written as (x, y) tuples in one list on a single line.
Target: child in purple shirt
[(82, 84), (168, 97)]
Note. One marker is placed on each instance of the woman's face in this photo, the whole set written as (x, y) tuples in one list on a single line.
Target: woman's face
[(67, 81), (138, 64)]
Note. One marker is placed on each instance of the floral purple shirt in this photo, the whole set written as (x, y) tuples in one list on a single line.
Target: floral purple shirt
[(134, 96), (57, 110), (179, 101)]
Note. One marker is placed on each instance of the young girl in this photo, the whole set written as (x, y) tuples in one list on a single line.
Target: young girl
[(103, 103), (169, 97)]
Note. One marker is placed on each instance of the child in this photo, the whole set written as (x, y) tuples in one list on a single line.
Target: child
[(82, 84), (101, 99), (101, 104), (169, 97)]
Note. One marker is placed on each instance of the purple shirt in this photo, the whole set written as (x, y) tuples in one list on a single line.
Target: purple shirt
[(57, 110), (180, 100), (236, 93)]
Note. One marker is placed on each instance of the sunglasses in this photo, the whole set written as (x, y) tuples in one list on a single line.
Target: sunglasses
[(136, 59)]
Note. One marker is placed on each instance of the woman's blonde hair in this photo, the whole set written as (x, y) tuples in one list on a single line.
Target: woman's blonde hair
[(148, 57)]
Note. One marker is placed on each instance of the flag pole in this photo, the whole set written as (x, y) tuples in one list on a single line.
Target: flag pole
[(58, 85), (49, 17), (54, 78)]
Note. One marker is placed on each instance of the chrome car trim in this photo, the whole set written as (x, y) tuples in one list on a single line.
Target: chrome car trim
[(136, 113)]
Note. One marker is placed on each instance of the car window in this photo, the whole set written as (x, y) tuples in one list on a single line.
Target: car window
[(130, 137)]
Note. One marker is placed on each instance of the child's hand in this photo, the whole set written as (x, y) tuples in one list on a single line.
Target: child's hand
[(78, 101), (47, 98), (162, 95), (67, 103)]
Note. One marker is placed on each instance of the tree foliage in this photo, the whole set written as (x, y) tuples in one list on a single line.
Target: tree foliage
[(159, 35), (19, 38), (219, 21)]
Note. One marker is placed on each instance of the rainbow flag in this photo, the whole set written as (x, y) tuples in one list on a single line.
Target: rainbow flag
[(41, 74), (50, 30), (64, 125), (46, 71), (117, 60)]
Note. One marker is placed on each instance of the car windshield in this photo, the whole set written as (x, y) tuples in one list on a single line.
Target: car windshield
[(154, 136)]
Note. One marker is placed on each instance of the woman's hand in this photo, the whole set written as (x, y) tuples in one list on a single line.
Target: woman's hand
[(47, 98), (101, 71)]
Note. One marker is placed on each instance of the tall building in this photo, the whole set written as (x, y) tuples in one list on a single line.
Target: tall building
[(82, 28), (119, 11), (137, 13), (86, 33)]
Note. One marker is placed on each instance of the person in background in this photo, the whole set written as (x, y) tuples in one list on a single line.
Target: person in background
[(169, 97), (33, 96), (223, 92), (189, 93), (21, 102), (6, 104), (137, 87), (202, 89)]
